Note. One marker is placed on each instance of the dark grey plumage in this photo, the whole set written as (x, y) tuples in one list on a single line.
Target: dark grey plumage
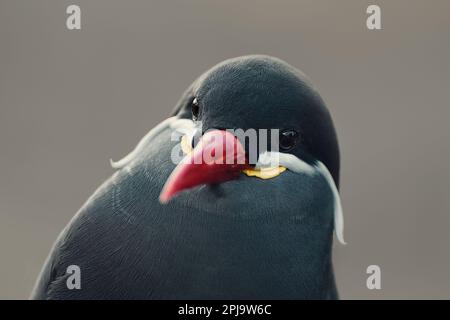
[(243, 239)]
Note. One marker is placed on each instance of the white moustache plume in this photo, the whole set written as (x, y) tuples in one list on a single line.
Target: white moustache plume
[(294, 164), (173, 123)]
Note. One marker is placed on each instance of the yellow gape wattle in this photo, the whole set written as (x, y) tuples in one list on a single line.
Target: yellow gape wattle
[(265, 173), (262, 173)]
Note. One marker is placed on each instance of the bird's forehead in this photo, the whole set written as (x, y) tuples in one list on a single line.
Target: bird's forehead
[(257, 76), (259, 90)]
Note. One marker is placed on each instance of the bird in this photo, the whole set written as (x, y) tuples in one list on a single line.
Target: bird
[(165, 227)]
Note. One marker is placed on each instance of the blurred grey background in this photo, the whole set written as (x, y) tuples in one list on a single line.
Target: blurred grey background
[(70, 100)]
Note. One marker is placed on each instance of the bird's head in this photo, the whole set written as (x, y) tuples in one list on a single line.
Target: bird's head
[(255, 116)]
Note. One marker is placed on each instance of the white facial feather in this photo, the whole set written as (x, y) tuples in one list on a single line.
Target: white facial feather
[(172, 122), (294, 164)]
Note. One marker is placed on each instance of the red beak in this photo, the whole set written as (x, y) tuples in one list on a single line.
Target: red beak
[(218, 157)]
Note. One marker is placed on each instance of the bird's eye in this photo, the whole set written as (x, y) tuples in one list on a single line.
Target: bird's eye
[(195, 109), (288, 139)]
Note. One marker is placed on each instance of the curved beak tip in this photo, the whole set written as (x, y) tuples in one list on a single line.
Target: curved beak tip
[(163, 198)]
